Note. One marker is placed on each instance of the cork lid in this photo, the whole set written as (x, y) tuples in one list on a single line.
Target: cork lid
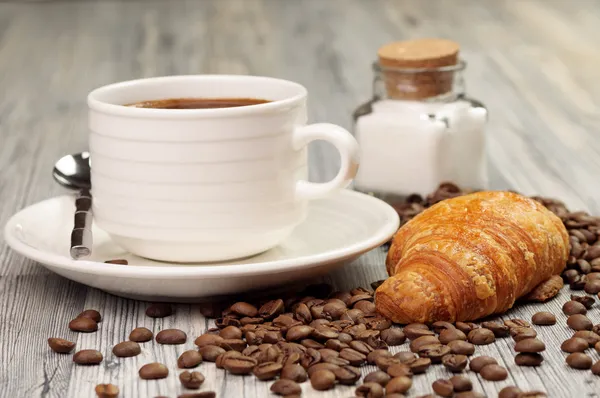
[(419, 53)]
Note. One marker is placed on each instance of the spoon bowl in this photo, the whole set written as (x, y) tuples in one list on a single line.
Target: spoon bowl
[(73, 171)]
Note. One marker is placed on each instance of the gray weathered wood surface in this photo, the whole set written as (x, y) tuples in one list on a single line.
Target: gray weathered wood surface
[(534, 63)]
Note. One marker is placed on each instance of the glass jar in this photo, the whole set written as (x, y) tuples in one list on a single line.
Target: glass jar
[(418, 130)]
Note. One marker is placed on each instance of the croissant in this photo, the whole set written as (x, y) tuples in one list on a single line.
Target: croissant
[(471, 256)]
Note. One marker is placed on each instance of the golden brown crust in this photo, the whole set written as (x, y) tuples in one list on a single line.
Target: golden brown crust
[(471, 256)]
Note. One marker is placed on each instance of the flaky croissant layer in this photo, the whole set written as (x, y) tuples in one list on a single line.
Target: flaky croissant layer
[(469, 257)]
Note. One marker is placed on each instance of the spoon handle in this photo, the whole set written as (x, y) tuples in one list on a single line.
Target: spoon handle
[(81, 237)]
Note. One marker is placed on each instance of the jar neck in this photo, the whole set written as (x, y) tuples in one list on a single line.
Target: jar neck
[(439, 84)]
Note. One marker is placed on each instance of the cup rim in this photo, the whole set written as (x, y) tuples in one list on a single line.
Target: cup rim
[(120, 110)]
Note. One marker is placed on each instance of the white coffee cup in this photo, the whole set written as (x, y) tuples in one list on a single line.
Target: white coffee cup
[(198, 185)]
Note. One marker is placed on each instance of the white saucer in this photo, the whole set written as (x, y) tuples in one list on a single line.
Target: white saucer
[(337, 230)]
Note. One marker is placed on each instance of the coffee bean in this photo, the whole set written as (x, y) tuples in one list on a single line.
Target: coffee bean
[(361, 347), (369, 390), (448, 335), (435, 352), (60, 346), (203, 394), (153, 371), (517, 323), (355, 315), (400, 369), (285, 387), (354, 357), (347, 375), (574, 307), (322, 380), (337, 361), (592, 286), (235, 344), (208, 339), (519, 334), (335, 344), (244, 309), (92, 314), (376, 284), (324, 333), (443, 387), (239, 365), (461, 383), (579, 322), (543, 318), (493, 372), (345, 338), (574, 344), (455, 363), (228, 354), (328, 353), (310, 357), (478, 363), (596, 329), (404, 356), (159, 310), (466, 327), (87, 357), (440, 326), (310, 343), (378, 377), (461, 347), (589, 336), (294, 372), (594, 275), (384, 362), (82, 324), (570, 275), (418, 365), (140, 335), (210, 352), (321, 366), (529, 359), (393, 336), (191, 380), (267, 370), (481, 336), (530, 346), (419, 342), (413, 333), (583, 266), (596, 368), (189, 359), (299, 332), (376, 343), (587, 301), (510, 392), (334, 308), (400, 385), (579, 360), (171, 336), (231, 332), (355, 330), (127, 349), (578, 283), (359, 297), (498, 329), (107, 391), (271, 309)]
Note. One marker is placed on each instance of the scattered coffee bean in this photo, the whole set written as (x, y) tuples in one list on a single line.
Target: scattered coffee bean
[(478, 363), (543, 318), (83, 324), (244, 309), (466, 327), (592, 286), (596, 329), (347, 375), (574, 344), (448, 335), (400, 369), (60, 346), (233, 344), (435, 352), (322, 380), (398, 385), (141, 335), (393, 336), (294, 372), (376, 284), (578, 283), (354, 357), (191, 380), (419, 342), (373, 355), (529, 359), (127, 349), (589, 336), (92, 314), (404, 356), (415, 330), (107, 391), (440, 326), (530, 346), (228, 354), (300, 332), (596, 368), (267, 370), (362, 347), (286, 387), (384, 362), (418, 365), (587, 301), (493, 372), (171, 336), (461, 383), (203, 394), (370, 390), (159, 310), (481, 336), (461, 347), (455, 363), (332, 344), (321, 366), (240, 365), (510, 392), (189, 359), (443, 387), (231, 332), (271, 309), (119, 261), (579, 360), (345, 338), (517, 323), (153, 371), (574, 307), (498, 329), (334, 309), (519, 334), (210, 352), (208, 339), (87, 357), (579, 322), (378, 377)]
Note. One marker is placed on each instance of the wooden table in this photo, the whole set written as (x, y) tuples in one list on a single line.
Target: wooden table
[(534, 63)]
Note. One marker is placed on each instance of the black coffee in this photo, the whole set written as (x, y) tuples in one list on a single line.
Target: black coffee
[(198, 103)]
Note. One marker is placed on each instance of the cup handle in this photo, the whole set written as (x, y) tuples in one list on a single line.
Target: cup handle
[(349, 153)]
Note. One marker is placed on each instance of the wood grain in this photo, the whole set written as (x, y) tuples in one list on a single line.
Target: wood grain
[(534, 63)]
